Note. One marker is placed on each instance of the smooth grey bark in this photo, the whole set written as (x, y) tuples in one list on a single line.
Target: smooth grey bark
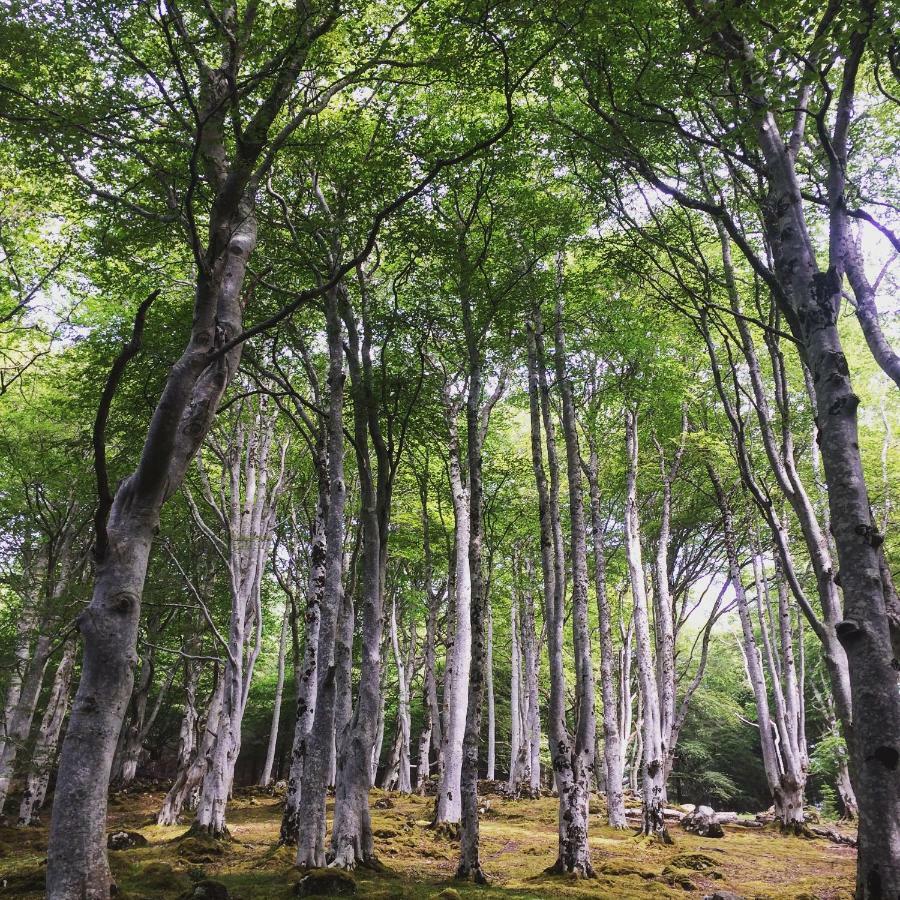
[(351, 840), (477, 417), (459, 656), (48, 570), (518, 750), (490, 774), (343, 666), (44, 753), (431, 730), (190, 777), (531, 664), (663, 621), (583, 757), (246, 512), (782, 767), (653, 753), (266, 776), (612, 744), (404, 676), (810, 300), (316, 749), (572, 852), (308, 675)]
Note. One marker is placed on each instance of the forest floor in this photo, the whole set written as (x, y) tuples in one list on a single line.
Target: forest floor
[(518, 842)]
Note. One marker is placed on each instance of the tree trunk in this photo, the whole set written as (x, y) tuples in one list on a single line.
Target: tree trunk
[(248, 506), (459, 659), (531, 662), (517, 758), (308, 681), (785, 782), (577, 855), (653, 760), (191, 776), (317, 747), (572, 851), (404, 781), (266, 776), (491, 711), (42, 759), (612, 746), (77, 867)]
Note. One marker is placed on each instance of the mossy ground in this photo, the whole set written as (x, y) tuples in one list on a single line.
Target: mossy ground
[(518, 843)]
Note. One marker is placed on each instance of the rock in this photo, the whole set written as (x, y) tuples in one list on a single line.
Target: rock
[(723, 895), (385, 833), (384, 803), (703, 821), (696, 862), (200, 850), (326, 883), (207, 890), (125, 840), (678, 878)]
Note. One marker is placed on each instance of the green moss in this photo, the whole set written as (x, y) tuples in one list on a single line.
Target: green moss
[(326, 883), (697, 862)]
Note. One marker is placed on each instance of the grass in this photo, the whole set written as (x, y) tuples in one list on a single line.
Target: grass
[(518, 843)]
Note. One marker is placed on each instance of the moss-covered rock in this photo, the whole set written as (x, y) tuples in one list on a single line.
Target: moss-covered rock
[(449, 894), (326, 883), (200, 849), (696, 862), (207, 890), (125, 840)]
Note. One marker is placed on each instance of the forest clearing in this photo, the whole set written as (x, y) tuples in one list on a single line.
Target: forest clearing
[(449, 448)]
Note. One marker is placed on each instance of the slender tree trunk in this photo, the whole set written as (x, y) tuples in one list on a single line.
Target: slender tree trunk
[(42, 759), (572, 851), (785, 782), (531, 661), (266, 776), (191, 777), (653, 761), (254, 488), (459, 658), (491, 711), (612, 746), (19, 724), (517, 758), (308, 680), (404, 780), (317, 747)]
